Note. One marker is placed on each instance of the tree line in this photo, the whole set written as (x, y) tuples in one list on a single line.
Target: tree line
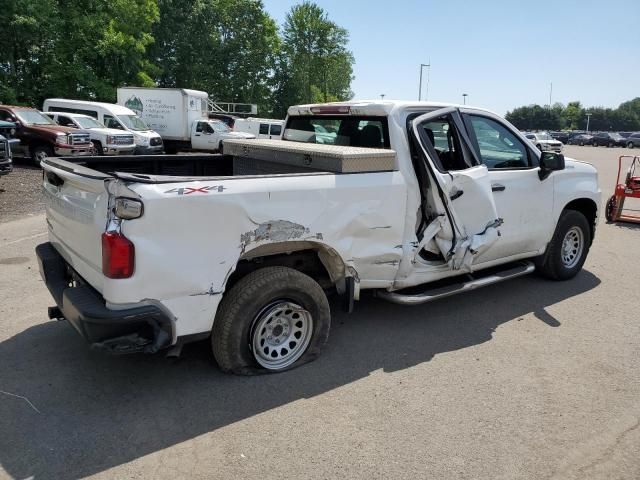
[(232, 49), (573, 116)]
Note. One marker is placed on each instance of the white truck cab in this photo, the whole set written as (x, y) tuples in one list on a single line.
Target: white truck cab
[(414, 200), (180, 116), (112, 116), (106, 141)]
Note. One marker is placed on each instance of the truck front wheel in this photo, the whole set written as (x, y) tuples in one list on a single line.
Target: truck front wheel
[(39, 153), (567, 251), (97, 147), (272, 320)]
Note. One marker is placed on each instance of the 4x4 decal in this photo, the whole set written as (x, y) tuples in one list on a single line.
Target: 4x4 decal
[(190, 190)]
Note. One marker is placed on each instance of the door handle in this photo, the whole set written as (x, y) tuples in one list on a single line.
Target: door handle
[(496, 187), (457, 194), (197, 135)]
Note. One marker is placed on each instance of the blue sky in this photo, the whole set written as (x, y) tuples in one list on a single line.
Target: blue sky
[(503, 54)]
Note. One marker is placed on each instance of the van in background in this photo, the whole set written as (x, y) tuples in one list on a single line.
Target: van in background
[(112, 116), (260, 127)]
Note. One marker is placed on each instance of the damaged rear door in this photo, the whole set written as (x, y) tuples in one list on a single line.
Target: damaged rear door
[(466, 223)]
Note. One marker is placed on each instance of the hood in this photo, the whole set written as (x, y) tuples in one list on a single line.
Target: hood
[(110, 131), (579, 165), (52, 131), (237, 135)]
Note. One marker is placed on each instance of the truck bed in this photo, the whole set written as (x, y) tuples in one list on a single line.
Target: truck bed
[(243, 157)]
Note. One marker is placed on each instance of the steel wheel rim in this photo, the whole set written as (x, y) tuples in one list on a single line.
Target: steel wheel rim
[(41, 155), (280, 334), (572, 247)]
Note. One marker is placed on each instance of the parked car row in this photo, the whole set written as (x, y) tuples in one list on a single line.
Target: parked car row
[(606, 139), (144, 121)]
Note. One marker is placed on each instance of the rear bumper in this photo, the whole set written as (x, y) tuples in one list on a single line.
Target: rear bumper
[(144, 328)]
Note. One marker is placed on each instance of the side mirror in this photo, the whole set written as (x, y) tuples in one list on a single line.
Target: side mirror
[(550, 162)]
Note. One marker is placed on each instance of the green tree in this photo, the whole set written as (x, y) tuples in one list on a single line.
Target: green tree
[(225, 47), (315, 65), (74, 48)]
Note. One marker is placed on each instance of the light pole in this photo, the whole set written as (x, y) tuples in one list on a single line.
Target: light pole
[(588, 117), (464, 98), (422, 65), (382, 96)]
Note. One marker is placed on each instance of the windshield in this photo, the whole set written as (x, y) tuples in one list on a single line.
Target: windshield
[(544, 136), (133, 122), (355, 131), (33, 117), (220, 126), (86, 122)]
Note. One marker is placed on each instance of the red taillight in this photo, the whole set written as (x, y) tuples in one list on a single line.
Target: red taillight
[(118, 255)]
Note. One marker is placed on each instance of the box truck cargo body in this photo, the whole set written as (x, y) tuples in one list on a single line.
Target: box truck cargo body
[(179, 115)]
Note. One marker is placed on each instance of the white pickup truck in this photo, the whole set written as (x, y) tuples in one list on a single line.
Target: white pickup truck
[(244, 250)]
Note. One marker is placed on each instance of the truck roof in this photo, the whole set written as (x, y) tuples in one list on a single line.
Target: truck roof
[(369, 107), (186, 91), (114, 107)]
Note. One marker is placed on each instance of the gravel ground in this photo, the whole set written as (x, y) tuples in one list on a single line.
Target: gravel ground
[(21, 192)]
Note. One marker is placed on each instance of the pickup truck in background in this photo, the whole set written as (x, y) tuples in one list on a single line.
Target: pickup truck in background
[(40, 137), (6, 162), (106, 141), (180, 116), (414, 200), (545, 142)]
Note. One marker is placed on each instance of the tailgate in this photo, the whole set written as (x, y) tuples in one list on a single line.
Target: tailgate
[(77, 206)]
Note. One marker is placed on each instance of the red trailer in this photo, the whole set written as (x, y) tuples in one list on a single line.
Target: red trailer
[(629, 189)]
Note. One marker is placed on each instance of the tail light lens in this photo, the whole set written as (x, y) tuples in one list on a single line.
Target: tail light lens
[(118, 255)]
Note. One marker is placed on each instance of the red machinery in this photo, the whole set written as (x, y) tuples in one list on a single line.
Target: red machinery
[(629, 189)]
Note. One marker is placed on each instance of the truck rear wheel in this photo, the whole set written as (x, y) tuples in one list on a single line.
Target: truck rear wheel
[(272, 320), (567, 251), (39, 153)]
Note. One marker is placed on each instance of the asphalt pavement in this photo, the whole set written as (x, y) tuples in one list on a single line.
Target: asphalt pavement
[(527, 379)]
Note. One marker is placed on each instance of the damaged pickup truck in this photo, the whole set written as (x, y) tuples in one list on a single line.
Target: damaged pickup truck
[(416, 201)]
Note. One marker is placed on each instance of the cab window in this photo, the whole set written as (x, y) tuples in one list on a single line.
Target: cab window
[(264, 129), (496, 145), (276, 129), (442, 135)]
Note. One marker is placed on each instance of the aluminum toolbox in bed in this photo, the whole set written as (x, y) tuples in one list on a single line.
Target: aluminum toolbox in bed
[(312, 156)]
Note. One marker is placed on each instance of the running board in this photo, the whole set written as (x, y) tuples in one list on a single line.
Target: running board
[(449, 290)]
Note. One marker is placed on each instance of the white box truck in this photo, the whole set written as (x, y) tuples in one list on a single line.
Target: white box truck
[(180, 116)]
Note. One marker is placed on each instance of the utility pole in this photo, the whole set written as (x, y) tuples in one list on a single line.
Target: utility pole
[(464, 98), (422, 65), (588, 117), (550, 92)]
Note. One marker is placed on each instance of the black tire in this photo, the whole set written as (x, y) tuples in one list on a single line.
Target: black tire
[(551, 264), (595, 144), (220, 149), (582, 143), (39, 153), (97, 147), (630, 145), (610, 208), (610, 145), (242, 307)]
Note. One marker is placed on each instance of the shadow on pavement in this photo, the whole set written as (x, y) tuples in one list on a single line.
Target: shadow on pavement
[(98, 412)]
